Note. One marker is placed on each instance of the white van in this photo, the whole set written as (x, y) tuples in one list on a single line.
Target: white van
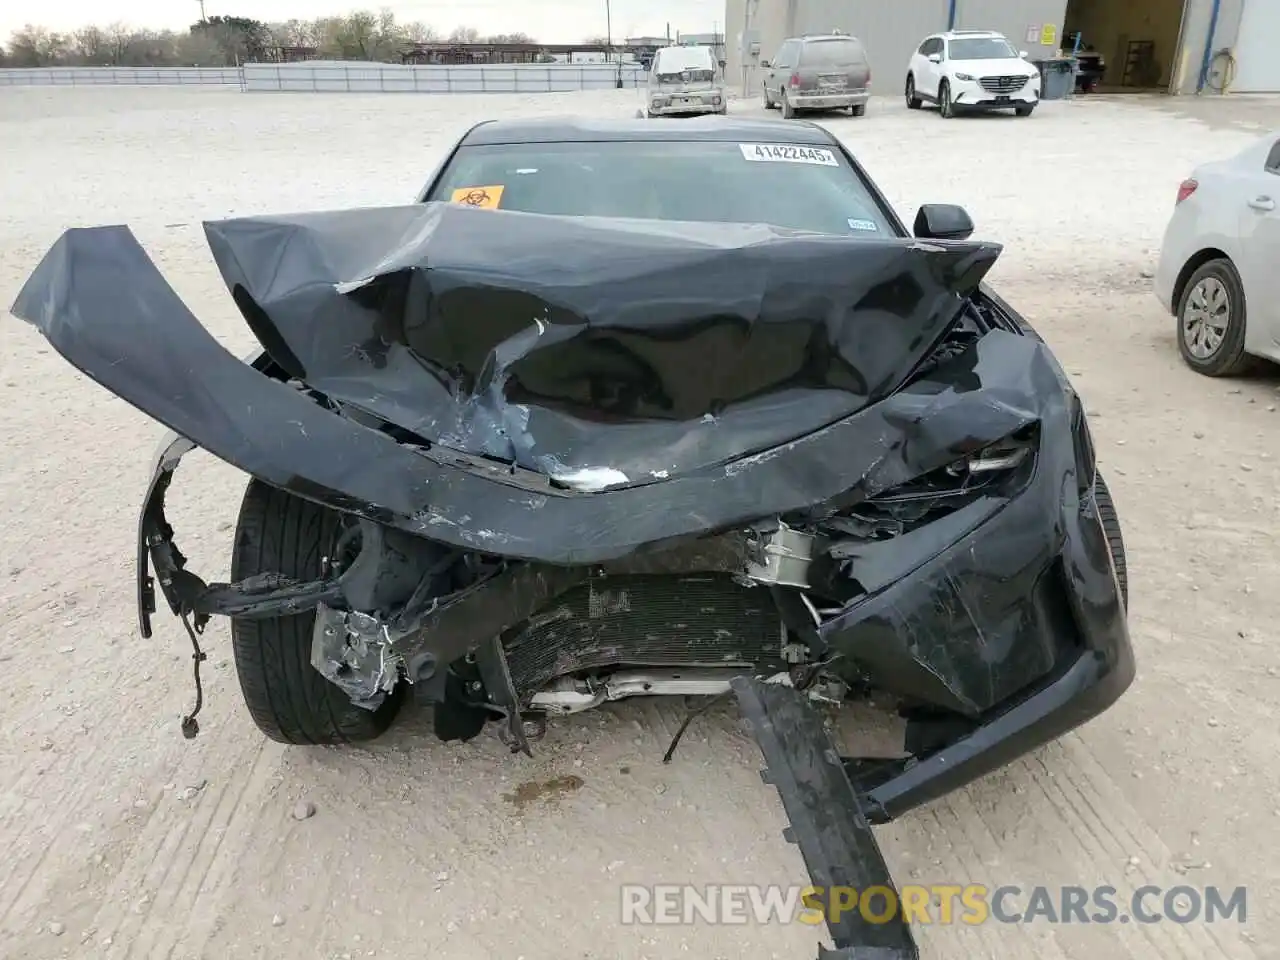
[(684, 80)]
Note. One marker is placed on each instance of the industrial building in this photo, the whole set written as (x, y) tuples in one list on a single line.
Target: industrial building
[(1178, 46)]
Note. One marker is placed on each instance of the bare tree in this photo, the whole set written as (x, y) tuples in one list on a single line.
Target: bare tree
[(297, 33), (419, 32), (34, 46), (116, 39), (199, 49), (225, 40), (89, 45)]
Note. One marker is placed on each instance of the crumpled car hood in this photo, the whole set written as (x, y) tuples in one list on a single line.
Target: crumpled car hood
[(104, 306), (601, 353)]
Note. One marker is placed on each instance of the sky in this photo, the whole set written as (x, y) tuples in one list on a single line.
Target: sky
[(551, 21)]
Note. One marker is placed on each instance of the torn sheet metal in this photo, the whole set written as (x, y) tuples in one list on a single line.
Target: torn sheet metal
[(601, 353), (874, 309)]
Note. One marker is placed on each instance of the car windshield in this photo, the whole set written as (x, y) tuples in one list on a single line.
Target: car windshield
[(831, 53), (674, 62), (793, 186), (982, 48)]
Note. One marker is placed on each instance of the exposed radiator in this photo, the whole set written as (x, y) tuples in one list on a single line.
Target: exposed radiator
[(706, 620)]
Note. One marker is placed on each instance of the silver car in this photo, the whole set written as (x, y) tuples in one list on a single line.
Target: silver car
[(828, 72), (683, 81)]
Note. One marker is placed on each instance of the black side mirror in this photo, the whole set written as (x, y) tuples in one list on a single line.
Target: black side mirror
[(942, 221)]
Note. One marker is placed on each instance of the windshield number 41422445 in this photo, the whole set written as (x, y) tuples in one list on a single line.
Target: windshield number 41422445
[(788, 153)]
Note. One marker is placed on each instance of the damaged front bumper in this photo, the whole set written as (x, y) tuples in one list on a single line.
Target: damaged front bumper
[(828, 819), (1002, 623)]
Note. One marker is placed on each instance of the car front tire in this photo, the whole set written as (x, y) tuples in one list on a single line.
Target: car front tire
[(946, 109), (288, 699), (1025, 110), (1211, 321), (1110, 520), (913, 102)]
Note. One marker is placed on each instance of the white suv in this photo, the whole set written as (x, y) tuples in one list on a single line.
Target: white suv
[(972, 70)]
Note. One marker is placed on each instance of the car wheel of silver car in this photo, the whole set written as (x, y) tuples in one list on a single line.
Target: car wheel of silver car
[(768, 104), (289, 699), (788, 111), (913, 102), (858, 110), (1211, 321), (1025, 110), (945, 107)]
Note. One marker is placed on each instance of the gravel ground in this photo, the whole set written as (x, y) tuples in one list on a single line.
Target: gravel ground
[(120, 839)]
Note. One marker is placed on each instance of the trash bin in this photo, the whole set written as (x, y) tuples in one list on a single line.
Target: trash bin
[(1057, 77)]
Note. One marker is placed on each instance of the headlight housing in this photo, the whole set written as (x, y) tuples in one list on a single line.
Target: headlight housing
[(964, 76), (996, 469)]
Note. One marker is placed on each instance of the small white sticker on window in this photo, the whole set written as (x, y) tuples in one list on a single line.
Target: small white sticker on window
[(863, 225), (788, 153)]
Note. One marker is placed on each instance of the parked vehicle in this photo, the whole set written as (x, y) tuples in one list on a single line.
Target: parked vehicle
[(1218, 272), (971, 70), (620, 409), (684, 81), (828, 72)]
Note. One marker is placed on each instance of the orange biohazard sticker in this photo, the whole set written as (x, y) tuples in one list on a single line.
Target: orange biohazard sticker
[(487, 198)]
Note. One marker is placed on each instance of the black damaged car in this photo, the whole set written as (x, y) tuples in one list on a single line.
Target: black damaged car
[(622, 409)]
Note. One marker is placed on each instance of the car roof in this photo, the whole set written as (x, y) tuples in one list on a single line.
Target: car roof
[(809, 37), (962, 34), (692, 54), (576, 129)]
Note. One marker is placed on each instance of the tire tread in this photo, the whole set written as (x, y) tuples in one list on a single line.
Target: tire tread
[(288, 699), (1115, 540)]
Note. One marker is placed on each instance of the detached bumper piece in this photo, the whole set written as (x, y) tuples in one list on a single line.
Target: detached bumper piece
[(827, 820)]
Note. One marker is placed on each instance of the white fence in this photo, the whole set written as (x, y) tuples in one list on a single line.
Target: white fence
[(339, 77), (122, 76)]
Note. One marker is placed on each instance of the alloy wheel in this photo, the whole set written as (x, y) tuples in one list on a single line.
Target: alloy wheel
[(1206, 317)]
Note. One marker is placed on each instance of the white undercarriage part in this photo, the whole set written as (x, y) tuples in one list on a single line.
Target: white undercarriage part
[(573, 694)]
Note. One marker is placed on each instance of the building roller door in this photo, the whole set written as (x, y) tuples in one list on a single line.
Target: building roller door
[(1257, 66)]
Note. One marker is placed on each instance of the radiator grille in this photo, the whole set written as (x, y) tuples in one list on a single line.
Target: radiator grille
[(707, 620), (1003, 84)]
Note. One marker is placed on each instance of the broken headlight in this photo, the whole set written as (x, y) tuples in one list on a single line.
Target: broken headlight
[(996, 469)]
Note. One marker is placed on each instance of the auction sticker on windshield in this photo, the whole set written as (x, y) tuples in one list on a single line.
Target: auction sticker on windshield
[(488, 198), (788, 153)]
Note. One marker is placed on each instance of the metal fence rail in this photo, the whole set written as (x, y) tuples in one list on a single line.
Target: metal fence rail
[(121, 76), (339, 77), (480, 78)]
